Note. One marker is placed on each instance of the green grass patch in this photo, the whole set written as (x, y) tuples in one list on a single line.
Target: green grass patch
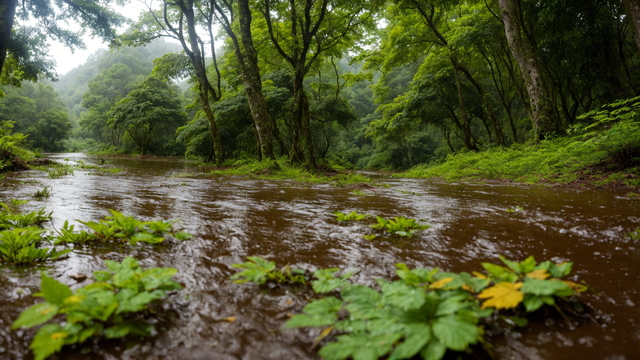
[(283, 170)]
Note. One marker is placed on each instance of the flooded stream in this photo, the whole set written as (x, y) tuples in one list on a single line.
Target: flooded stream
[(292, 223)]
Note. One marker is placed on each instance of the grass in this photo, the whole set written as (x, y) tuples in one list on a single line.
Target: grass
[(42, 194), (563, 161), (268, 170)]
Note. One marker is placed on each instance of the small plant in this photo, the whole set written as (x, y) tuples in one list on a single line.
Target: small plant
[(42, 193), (635, 235), (359, 192), (8, 219), (260, 271), (23, 246), (634, 183), (624, 153), (370, 237), (124, 228), (15, 203), (427, 312), (59, 170), (112, 307), (401, 226), (352, 216), (632, 194), (515, 209), (67, 235)]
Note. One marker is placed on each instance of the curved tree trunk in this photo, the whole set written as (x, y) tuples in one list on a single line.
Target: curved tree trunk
[(542, 115)]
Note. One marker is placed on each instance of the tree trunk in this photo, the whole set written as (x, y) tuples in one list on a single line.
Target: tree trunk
[(258, 142), (7, 13), (253, 83), (541, 113), (466, 124), (213, 127), (633, 12), (296, 155), (276, 134)]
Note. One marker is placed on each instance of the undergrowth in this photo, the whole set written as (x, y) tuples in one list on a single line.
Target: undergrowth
[(427, 312), (601, 148), (267, 169)]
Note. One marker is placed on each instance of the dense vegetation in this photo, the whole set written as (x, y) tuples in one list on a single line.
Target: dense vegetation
[(350, 84)]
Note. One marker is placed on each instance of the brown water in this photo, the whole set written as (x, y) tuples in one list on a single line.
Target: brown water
[(291, 223)]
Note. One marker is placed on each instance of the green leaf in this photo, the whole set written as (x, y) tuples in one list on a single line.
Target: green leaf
[(528, 265), (53, 291), (362, 302), (532, 302), (48, 340), (561, 270), (359, 346), (454, 333), (113, 265), (402, 295), (544, 287), (435, 350), (36, 315), (102, 276), (510, 264), (412, 345)]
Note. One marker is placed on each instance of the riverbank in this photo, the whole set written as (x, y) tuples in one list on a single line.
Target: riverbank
[(564, 161)]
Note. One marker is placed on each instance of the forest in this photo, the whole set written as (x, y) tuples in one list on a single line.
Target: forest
[(320, 179), (348, 84)]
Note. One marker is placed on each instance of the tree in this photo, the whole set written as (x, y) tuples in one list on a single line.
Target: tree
[(314, 28), (24, 44), (633, 11), (152, 104), (541, 110)]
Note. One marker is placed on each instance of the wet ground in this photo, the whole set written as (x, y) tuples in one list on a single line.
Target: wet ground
[(292, 223)]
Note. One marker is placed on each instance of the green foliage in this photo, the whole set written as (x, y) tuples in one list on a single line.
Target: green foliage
[(43, 193), (427, 312), (57, 171), (352, 216), (260, 271), (401, 226), (112, 307), (635, 235), (9, 219), (119, 227), (21, 246)]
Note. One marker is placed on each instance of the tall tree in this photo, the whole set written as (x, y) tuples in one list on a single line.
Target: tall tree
[(633, 11), (541, 109), (248, 62), (314, 28)]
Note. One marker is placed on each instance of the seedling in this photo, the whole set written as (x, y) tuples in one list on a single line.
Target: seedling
[(352, 216), (112, 307), (401, 226)]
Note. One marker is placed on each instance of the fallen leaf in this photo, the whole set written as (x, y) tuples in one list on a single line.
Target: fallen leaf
[(479, 275), (504, 295), (467, 288), (539, 274), (230, 319), (440, 283)]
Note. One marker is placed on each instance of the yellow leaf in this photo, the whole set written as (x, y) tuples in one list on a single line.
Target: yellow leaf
[(440, 283), (46, 311), (467, 287), (58, 335), (504, 295), (230, 319), (574, 286), (73, 299), (539, 274), (479, 275)]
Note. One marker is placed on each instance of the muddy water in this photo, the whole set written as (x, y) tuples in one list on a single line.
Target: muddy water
[(291, 223)]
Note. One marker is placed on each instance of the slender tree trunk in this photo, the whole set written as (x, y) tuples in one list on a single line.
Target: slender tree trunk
[(278, 137), (466, 123), (447, 136), (7, 13), (306, 129), (542, 115), (258, 144), (633, 12), (296, 155), (253, 83)]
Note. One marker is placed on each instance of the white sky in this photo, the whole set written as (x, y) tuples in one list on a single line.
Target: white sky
[(66, 60)]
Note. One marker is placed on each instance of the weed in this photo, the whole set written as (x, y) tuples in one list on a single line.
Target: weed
[(43, 193), (112, 307), (359, 192), (370, 237), (125, 229), (15, 203), (21, 246), (9, 219), (632, 194), (635, 235), (634, 183), (428, 312), (352, 216), (58, 170), (259, 271), (401, 226)]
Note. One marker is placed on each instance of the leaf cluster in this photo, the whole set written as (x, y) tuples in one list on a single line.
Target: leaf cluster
[(9, 219), (122, 228), (112, 307), (260, 271), (352, 216), (401, 226)]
